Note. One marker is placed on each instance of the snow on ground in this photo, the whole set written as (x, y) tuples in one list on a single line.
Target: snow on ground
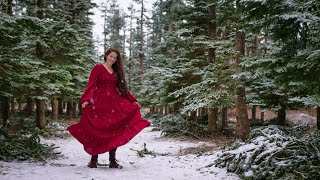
[(302, 118), (168, 164)]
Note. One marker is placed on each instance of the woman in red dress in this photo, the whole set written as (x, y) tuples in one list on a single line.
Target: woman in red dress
[(111, 115)]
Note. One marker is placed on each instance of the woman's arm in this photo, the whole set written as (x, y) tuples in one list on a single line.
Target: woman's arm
[(91, 87)]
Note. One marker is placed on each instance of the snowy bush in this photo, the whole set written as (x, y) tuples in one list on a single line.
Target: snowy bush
[(174, 125), (271, 153), (22, 147)]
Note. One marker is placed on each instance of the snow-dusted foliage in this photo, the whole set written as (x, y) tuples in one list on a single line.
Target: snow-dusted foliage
[(52, 53), (114, 22), (24, 147), (282, 72), (180, 72), (273, 153), (214, 90), (174, 125), (311, 101)]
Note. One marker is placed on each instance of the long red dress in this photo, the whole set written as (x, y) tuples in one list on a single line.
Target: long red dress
[(110, 119)]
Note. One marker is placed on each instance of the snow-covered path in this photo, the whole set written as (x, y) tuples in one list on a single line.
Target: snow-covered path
[(159, 167)]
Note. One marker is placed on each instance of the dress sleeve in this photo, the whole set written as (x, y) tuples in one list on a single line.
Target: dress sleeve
[(91, 87), (130, 97)]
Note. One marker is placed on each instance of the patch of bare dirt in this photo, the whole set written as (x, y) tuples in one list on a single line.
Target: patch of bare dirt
[(299, 116), (206, 146), (70, 120), (197, 150)]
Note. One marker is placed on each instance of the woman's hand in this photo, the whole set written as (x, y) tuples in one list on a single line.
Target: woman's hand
[(84, 104)]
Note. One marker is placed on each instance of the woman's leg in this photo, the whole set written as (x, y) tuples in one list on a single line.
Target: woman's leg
[(93, 162), (113, 161)]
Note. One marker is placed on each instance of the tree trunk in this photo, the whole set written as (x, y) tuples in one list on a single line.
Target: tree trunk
[(40, 112), (161, 110), (243, 125), (74, 109), (212, 121), (54, 112), (256, 45), (156, 109), (262, 116), (130, 59), (141, 51), (60, 106), (5, 108), (9, 7), (202, 111), (3, 7), (318, 118), (254, 54), (64, 105), (193, 115), (12, 103), (19, 105), (318, 108), (5, 101), (105, 33), (212, 33), (282, 115), (176, 108), (152, 109), (254, 112), (80, 108), (266, 37), (170, 9), (30, 106), (224, 117), (40, 5), (164, 110), (70, 108)]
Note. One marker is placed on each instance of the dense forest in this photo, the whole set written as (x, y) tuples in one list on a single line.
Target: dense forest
[(185, 59)]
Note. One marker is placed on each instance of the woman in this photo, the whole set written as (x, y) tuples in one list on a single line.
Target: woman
[(111, 115)]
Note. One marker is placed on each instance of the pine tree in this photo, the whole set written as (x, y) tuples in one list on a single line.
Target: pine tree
[(114, 23), (49, 51), (6, 41), (285, 83), (130, 41), (141, 43)]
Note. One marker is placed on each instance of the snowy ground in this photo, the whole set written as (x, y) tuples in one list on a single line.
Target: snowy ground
[(172, 166)]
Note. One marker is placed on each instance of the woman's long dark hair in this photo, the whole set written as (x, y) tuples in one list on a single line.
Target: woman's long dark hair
[(118, 68)]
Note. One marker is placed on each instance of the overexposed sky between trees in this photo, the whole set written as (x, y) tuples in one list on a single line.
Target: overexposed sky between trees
[(98, 20)]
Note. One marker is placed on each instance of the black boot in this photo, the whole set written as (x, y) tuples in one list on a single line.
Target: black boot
[(93, 162), (112, 158)]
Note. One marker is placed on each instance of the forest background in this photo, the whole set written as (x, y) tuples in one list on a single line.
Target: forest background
[(196, 58)]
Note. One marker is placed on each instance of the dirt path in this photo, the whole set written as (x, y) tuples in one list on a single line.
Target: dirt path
[(166, 163)]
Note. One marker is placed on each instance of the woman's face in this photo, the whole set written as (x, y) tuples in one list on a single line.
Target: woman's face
[(111, 58)]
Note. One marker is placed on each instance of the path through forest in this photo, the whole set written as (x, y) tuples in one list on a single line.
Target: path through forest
[(168, 161)]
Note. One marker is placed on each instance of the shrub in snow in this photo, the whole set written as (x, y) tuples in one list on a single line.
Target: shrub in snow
[(271, 153), (24, 147), (174, 125)]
